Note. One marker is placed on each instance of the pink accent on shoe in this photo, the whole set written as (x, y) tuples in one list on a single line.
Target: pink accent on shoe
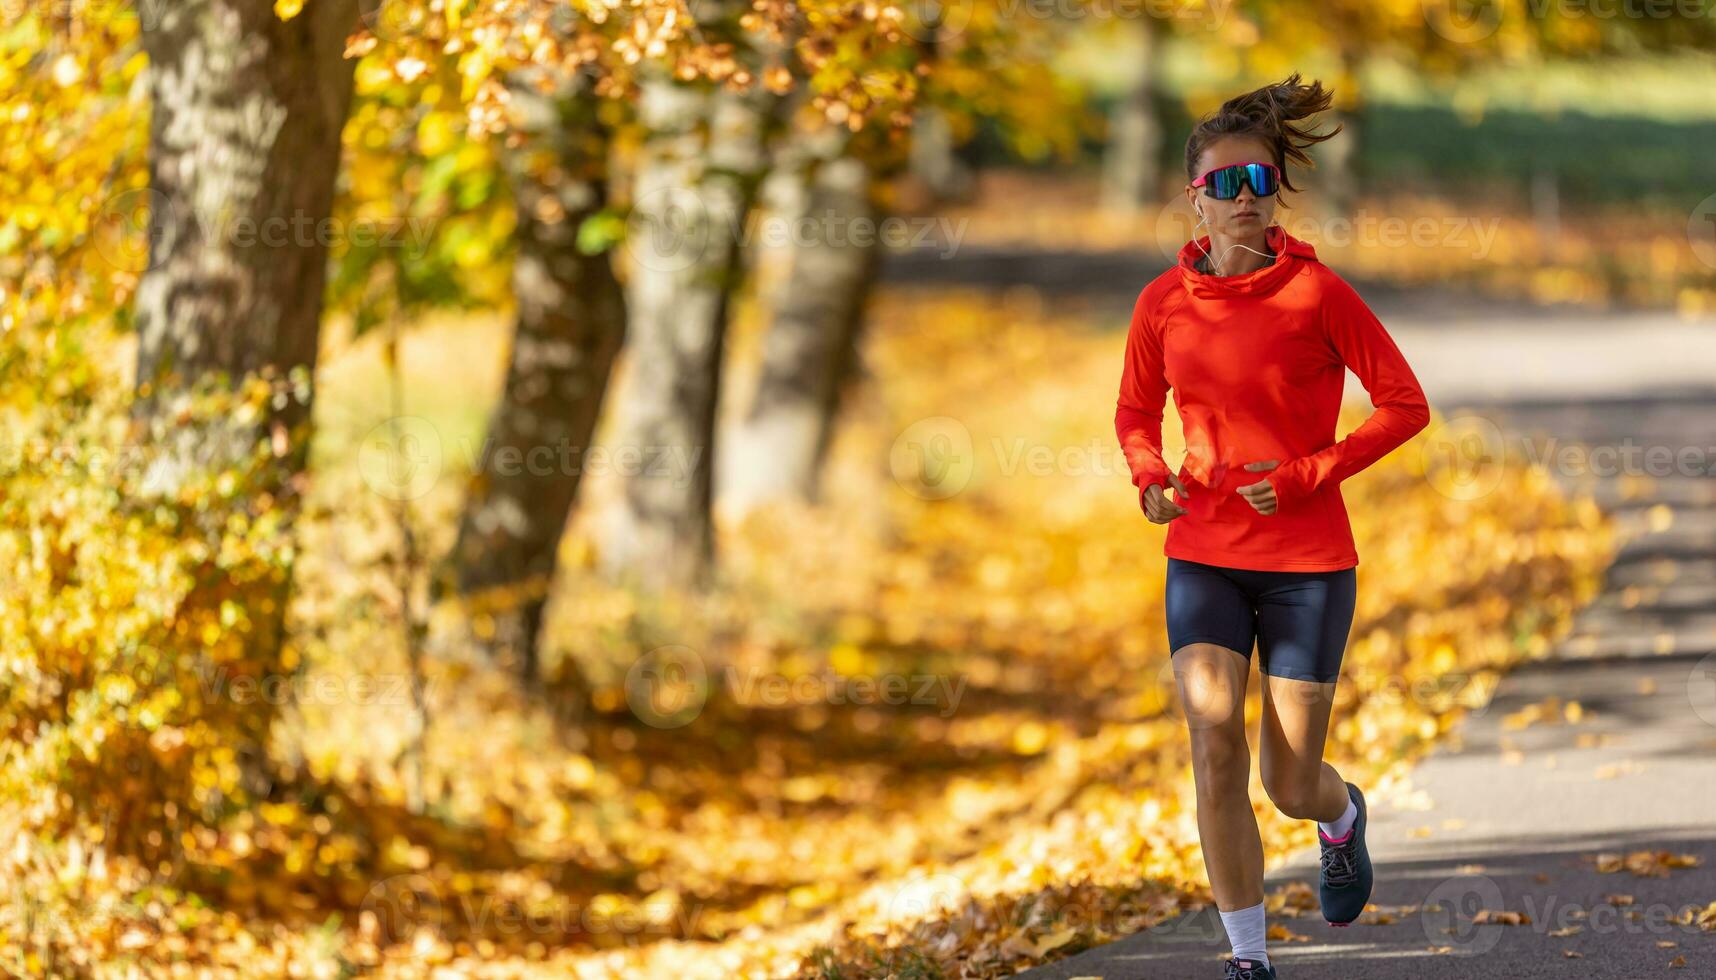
[(1336, 840), (1340, 925)]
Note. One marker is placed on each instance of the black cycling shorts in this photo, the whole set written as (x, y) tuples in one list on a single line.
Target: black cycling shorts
[(1298, 620)]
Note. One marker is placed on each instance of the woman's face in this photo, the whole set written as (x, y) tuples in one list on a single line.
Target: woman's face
[(1247, 215)]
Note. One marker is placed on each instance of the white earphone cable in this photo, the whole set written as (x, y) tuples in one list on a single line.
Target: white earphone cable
[(1215, 264)]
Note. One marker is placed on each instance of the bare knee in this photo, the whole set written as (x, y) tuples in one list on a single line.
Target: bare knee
[(1221, 760)]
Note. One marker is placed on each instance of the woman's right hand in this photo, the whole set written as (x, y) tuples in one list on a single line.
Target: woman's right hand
[(1158, 507)]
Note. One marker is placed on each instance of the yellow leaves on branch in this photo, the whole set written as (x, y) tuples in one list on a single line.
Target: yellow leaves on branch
[(858, 67)]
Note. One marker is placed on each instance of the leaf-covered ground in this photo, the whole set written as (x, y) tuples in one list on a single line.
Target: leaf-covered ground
[(937, 736)]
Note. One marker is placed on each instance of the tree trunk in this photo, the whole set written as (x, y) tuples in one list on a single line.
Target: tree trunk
[(1131, 164), (244, 152), (570, 324), (696, 181), (944, 175), (810, 349), (1339, 160)]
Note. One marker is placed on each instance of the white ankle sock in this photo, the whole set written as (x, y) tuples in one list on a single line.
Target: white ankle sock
[(1246, 931), (1339, 828)]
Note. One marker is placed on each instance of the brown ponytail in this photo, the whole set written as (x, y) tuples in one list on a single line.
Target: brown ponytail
[(1268, 113)]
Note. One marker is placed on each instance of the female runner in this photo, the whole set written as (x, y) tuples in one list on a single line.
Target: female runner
[(1254, 337)]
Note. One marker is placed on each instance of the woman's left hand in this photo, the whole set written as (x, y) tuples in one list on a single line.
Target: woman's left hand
[(1261, 494)]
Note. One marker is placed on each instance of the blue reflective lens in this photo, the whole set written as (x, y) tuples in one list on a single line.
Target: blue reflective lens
[(1224, 184)]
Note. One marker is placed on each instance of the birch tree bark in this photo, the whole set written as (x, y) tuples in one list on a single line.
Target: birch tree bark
[(570, 325), (810, 350), (244, 152), (1131, 171), (696, 182)]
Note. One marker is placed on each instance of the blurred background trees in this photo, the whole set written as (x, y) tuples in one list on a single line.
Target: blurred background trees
[(570, 322)]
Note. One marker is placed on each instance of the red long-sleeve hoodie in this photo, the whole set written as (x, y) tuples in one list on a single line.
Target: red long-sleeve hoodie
[(1257, 363)]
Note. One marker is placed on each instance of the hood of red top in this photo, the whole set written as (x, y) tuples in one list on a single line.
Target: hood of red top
[(1290, 254)]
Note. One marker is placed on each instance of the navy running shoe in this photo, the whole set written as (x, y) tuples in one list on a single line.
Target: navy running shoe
[(1238, 969), (1343, 885)]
